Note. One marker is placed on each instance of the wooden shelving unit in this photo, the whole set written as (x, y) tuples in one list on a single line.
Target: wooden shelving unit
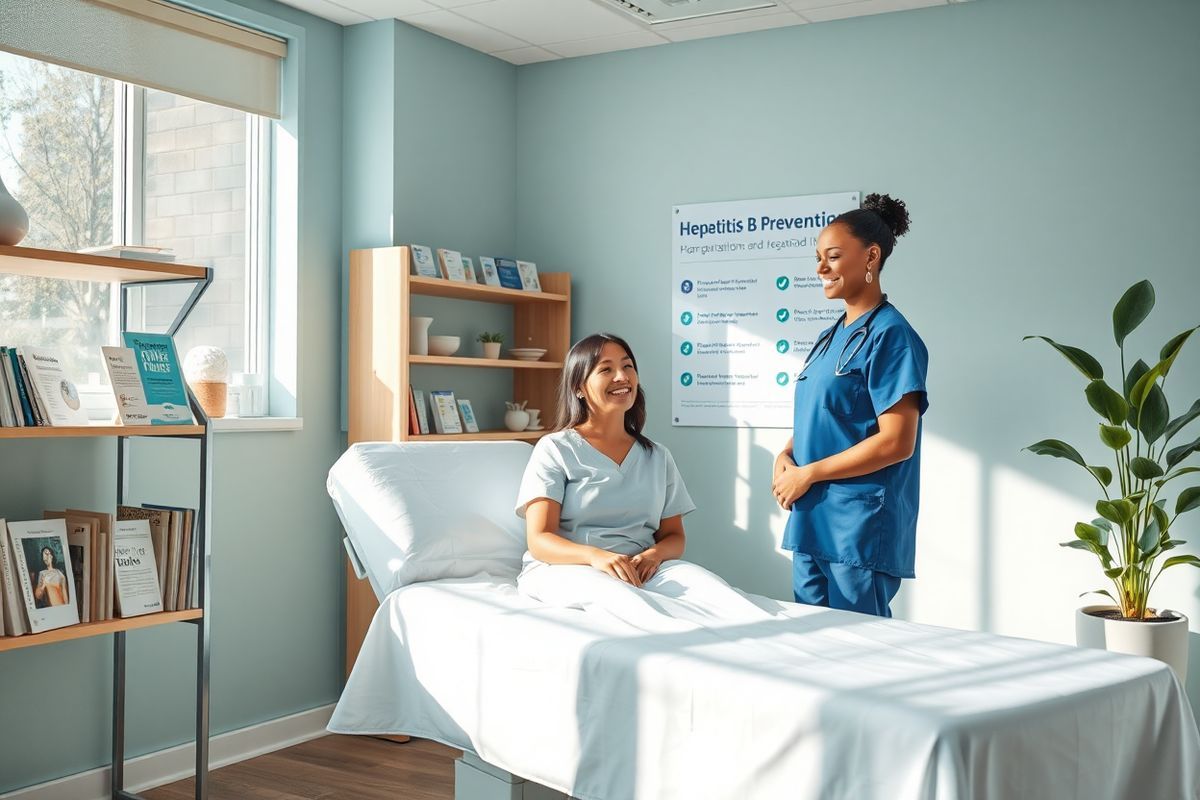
[(381, 290), (125, 274), (87, 629), (467, 361), (91, 431)]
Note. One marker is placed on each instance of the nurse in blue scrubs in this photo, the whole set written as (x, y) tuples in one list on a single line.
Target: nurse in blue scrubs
[(850, 474)]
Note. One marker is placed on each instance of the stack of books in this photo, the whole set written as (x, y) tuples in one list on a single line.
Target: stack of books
[(76, 566), (36, 391), (145, 376)]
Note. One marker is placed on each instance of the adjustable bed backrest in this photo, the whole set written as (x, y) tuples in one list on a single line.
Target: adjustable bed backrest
[(419, 511)]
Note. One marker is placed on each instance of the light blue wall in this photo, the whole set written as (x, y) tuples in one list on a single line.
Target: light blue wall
[(1048, 153), (277, 599), (446, 117)]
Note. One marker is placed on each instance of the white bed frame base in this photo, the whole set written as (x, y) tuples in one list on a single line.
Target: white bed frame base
[(475, 779)]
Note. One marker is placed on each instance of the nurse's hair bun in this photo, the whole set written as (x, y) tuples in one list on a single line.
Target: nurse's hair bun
[(891, 210)]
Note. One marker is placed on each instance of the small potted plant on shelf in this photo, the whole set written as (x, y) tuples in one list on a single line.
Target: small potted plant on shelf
[(1137, 527), (491, 343)]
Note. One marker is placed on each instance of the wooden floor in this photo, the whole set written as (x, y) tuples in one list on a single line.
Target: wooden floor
[(332, 768)]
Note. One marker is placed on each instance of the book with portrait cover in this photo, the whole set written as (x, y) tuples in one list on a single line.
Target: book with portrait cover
[(162, 379), (82, 540), (43, 565)]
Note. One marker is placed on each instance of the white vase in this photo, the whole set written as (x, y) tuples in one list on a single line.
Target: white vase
[(516, 420), (14, 222), (418, 335), (491, 349), (1166, 641)]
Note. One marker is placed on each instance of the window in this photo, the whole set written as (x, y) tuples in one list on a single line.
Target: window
[(56, 158), (135, 166)]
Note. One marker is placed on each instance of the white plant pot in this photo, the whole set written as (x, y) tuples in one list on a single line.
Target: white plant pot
[(418, 335), (1167, 641), (491, 349), (516, 420)]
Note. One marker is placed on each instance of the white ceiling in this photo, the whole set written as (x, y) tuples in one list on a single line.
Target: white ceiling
[(528, 31)]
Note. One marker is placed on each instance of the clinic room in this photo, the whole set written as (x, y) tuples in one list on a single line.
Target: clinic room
[(599, 399)]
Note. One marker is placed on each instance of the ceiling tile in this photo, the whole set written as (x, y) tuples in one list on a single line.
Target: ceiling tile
[(466, 32), (388, 9), (526, 55), (334, 12), (864, 8), (546, 21), (606, 44), (731, 26)]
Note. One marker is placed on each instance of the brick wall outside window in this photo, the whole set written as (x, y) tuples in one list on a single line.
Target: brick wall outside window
[(195, 204)]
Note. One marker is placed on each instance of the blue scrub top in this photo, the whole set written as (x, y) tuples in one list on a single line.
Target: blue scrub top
[(869, 521)]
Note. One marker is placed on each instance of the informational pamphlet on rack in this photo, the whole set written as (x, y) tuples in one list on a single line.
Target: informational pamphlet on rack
[(746, 306)]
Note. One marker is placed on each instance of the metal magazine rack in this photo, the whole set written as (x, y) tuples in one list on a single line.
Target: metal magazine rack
[(130, 274)]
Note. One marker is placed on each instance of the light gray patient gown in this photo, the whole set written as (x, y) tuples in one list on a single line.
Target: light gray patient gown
[(618, 507)]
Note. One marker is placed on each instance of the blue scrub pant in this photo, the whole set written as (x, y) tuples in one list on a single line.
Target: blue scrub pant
[(825, 583)]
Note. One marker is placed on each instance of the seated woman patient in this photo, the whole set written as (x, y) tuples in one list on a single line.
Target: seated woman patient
[(604, 506)]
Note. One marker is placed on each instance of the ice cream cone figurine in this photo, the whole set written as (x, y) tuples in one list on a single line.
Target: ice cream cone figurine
[(207, 371)]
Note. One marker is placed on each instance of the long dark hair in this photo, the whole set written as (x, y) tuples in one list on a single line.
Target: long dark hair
[(572, 409), (880, 220)]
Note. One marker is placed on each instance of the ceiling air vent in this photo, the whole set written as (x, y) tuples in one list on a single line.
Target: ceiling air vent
[(657, 11)]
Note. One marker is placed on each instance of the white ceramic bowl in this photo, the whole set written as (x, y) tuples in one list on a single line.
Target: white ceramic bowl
[(444, 345), (527, 353)]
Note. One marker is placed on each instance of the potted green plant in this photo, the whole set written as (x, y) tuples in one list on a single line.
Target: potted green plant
[(491, 343), (1137, 528)]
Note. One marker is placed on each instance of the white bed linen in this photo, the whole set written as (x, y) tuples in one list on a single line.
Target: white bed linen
[(812, 704)]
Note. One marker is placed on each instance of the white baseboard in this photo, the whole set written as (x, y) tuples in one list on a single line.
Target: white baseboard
[(176, 763)]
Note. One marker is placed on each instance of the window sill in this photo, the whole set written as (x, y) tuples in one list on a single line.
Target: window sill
[(256, 424)]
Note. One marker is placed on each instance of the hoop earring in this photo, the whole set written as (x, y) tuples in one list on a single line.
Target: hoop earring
[(869, 278)]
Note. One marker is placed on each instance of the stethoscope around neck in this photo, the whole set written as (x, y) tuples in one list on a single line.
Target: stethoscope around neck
[(854, 343)]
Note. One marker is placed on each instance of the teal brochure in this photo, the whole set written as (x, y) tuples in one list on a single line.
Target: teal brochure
[(162, 378)]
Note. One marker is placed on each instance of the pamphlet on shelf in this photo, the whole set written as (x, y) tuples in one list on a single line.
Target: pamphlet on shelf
[(452, 265), (161, 376), (422, 261), (55, 391), (135, 570), (126, 381), (468, 416), (510, 276), (445, 412), (529, 276), (487, 271)]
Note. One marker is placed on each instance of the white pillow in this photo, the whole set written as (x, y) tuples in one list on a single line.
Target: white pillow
[(419, 511)]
